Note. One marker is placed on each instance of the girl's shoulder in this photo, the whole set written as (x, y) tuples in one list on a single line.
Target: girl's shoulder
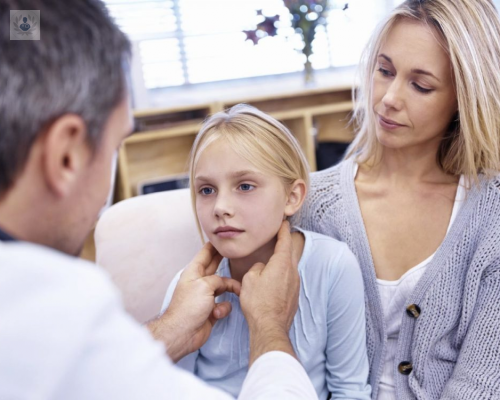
[(318, 240), (328, 264), (323, 252)]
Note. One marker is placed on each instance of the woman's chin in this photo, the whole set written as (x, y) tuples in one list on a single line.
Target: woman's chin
[(389, 141)]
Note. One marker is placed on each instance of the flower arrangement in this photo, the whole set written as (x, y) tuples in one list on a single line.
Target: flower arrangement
[(305, 16)]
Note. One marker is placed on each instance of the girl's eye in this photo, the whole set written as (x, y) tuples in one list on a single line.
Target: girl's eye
[(206, 191), (246, 187), (421, 89), (384, 72)]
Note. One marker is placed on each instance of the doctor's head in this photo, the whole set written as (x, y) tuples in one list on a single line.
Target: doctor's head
[(63, 114)]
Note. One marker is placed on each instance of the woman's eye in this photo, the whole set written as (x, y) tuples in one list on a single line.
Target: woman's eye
[(246, 187), (421, 89), (206, 191), (384, 72)]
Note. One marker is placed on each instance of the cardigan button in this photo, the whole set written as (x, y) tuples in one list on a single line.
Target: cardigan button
[(413, 311), (405, 368)]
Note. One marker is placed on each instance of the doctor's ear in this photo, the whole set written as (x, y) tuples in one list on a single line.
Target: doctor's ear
[(296, 196), (65, 153)]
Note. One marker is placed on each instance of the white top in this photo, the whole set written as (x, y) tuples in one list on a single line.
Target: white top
[(394, 295), (65, 335)]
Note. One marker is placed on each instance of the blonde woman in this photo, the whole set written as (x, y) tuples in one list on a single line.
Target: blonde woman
[(417, 200), (247, 175)]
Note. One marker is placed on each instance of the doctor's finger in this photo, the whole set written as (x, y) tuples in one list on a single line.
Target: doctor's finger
[(222, 310), (201, 261)]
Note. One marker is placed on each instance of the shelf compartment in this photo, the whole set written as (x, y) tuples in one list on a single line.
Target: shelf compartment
[(334, 127), (167, 157), (305, 100), (154, 120), (186, 129)]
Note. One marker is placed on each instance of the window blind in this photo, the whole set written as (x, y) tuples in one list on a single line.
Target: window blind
[(196, 41)]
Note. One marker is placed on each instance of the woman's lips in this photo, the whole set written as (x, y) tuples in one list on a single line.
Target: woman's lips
[(388, 124)]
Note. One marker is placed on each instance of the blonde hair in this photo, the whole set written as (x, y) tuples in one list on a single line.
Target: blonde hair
[(258, 138), (470, 32)]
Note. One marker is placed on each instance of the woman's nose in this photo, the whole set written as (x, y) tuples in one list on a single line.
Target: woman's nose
[(393, 97)]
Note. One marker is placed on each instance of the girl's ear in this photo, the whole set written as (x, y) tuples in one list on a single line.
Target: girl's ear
[(296, 196)]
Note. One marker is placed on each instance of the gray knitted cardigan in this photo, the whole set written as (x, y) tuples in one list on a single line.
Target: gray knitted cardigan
[(454, 344)]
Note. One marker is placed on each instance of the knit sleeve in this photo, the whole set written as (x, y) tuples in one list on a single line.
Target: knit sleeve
[(477, 372), (322, 202), (306, 217), (303, 219)]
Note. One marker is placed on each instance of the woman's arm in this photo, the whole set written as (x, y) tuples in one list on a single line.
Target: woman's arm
[(346, 356), (477, 372)]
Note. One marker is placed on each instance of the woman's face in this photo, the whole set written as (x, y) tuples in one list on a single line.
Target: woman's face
[(414, 98)]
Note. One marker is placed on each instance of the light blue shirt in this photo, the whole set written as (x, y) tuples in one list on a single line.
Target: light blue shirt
[(327, 334)]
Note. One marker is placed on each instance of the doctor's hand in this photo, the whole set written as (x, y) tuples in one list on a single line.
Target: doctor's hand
[(187, 323), (269, 298)]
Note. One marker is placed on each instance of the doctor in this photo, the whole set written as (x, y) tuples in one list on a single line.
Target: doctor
[(63, 332)]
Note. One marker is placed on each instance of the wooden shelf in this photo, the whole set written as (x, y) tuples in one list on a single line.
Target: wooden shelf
[(161, 146), (180, 130)]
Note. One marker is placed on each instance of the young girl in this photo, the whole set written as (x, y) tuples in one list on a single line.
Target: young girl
[(247, 174)]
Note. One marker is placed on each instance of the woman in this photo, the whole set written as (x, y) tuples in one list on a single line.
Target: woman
[(417, 199)]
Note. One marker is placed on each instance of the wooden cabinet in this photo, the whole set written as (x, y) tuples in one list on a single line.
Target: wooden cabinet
[(163, 137)]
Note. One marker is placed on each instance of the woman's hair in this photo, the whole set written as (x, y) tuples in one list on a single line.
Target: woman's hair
[(470, 33), (258, 138)]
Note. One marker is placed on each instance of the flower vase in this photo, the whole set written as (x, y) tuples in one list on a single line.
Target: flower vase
[(308, 73)]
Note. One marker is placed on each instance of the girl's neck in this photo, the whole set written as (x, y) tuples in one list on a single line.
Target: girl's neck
[(240, 266)]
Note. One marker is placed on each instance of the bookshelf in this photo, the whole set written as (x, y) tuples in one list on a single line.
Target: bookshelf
[(163, 136)]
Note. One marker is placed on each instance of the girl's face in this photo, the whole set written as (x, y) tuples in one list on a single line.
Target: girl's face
[(414, 99), (239, 207)]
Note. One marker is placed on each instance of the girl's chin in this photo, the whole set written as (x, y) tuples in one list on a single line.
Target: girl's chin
[(232, 254)]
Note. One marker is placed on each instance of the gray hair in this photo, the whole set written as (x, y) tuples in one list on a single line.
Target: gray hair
[(77, 67)]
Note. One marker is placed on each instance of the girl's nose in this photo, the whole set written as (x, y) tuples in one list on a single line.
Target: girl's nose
[(223, 206)]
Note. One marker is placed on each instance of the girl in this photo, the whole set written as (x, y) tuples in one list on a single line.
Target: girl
[(247, 174)]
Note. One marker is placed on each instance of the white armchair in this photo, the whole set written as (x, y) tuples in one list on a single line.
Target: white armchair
[(143, 242)]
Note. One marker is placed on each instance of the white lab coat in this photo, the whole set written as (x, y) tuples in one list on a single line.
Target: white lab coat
[(64, 335)]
